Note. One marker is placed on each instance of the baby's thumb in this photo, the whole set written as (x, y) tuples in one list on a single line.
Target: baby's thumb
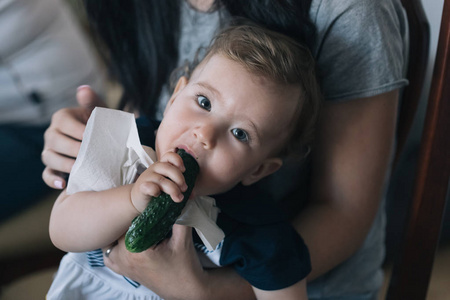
[(88, 99)]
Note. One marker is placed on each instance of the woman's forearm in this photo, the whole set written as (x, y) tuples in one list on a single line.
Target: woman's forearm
[(296, 291), (90, 220), (331, 242), (225, 283)]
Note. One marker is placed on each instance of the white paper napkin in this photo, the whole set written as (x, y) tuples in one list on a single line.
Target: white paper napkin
[(111, 155)]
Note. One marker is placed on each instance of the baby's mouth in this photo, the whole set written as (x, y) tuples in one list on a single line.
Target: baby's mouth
[(187, 151)]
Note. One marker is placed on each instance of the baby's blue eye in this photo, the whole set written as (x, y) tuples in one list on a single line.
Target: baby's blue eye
[(204, 102), (240, 134)]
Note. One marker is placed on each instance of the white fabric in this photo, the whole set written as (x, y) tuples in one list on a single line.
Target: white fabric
[(77, 281)]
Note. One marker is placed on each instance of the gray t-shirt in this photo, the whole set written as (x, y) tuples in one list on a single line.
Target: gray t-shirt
[(361, 52), (360, 48), (197, 30)]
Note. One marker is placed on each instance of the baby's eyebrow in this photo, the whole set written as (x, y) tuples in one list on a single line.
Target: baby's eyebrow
[(209, 87), (255, 130)]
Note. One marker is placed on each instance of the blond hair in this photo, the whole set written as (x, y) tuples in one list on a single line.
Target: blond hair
[(282, 60)]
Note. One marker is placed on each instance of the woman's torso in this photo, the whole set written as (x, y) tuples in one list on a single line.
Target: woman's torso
[(352, 64)]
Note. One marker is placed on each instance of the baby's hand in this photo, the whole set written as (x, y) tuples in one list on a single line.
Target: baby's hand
[(165, 175)]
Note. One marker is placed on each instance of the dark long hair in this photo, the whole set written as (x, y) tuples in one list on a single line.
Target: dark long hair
[(139, 38)]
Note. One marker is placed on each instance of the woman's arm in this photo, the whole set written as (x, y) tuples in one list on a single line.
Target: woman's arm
[(90, 220), (350, 164), (296, 291)]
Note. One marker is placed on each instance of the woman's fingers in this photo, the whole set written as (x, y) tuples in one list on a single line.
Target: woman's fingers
[(53, 179), (88, 99), (57, 168), (61, 146), (57, 161), (62, 140), (59, 142), (70, 121), (120, 259), (181, 236)]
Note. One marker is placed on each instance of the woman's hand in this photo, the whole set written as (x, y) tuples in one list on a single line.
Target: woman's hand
[(172, 270), (62, 140)]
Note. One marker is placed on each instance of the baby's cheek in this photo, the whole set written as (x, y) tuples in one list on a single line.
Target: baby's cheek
[(214, 183)]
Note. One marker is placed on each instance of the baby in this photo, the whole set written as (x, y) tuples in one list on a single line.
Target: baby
[(252, 101)]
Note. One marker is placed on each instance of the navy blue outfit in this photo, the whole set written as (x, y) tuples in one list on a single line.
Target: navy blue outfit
[(260, 244), (21, 168)]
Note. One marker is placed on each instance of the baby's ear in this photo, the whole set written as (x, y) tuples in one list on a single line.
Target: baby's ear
[(269, 166), (182, 82)]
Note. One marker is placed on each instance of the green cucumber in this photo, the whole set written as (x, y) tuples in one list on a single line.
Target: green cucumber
[(156, 221)]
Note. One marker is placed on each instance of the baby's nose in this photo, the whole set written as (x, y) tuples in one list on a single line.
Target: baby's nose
[(206, 135)]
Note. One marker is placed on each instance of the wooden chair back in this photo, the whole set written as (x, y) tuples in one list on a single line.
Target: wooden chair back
[(411, 271), (419, 42)]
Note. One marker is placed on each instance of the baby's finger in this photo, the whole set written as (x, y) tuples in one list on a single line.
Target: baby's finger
[(150, 188), (142, 192), (174, 159), (171, 172), (162, 183)]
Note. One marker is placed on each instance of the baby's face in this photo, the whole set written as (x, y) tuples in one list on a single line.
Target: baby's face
[(231, 121)]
